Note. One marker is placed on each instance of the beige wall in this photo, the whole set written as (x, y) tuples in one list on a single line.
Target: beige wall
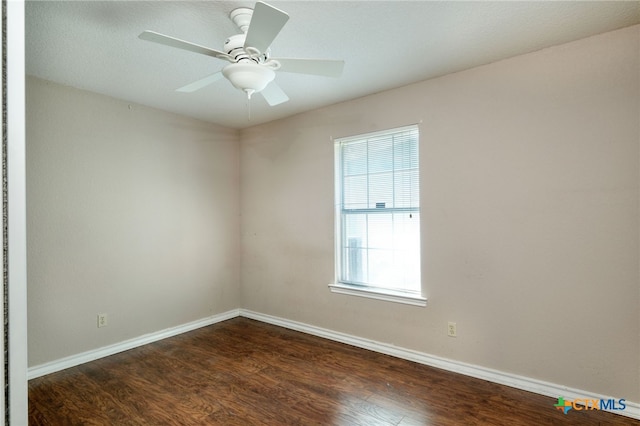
[(530, 180), (530, 216), (132, 212)]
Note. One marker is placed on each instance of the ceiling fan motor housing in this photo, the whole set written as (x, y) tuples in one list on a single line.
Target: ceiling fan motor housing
[(234, 47)]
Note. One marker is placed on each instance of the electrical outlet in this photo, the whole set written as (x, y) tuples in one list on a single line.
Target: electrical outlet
[(452, 330), (102, 320)]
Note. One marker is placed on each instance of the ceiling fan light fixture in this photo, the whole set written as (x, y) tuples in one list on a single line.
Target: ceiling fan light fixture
[(248, 76)]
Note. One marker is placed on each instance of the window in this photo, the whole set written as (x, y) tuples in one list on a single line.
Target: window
[(378, 216)]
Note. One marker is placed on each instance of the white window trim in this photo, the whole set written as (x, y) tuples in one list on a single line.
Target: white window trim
[(377, 293)]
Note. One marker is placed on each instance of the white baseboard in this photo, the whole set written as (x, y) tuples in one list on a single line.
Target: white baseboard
[(519, 382), (73, 360)]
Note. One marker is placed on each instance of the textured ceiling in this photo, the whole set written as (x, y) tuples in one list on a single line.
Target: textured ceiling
[(94, 45)]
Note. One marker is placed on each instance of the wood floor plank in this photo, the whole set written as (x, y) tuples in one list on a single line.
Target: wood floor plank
[(244, 372)]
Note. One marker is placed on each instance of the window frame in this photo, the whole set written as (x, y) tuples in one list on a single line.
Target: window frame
[(416, 298)]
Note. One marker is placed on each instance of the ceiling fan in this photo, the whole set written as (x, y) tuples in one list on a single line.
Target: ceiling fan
[(251, 68)]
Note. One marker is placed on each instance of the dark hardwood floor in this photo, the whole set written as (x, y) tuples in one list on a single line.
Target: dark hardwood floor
[(244, 372)]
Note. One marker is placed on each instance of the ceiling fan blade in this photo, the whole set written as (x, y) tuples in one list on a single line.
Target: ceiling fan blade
[(181, 44), (199, 84), (323, 67), (266, 23), (273, 94)]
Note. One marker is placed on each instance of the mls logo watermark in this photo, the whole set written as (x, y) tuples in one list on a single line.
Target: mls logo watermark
[(565, 405)]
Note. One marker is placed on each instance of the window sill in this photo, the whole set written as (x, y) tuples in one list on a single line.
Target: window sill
[(390, 296)]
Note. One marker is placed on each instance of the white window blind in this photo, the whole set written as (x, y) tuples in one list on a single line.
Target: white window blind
[(378, 210)]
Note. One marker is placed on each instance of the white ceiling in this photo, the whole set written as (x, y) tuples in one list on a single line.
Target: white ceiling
[(94, 45)]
